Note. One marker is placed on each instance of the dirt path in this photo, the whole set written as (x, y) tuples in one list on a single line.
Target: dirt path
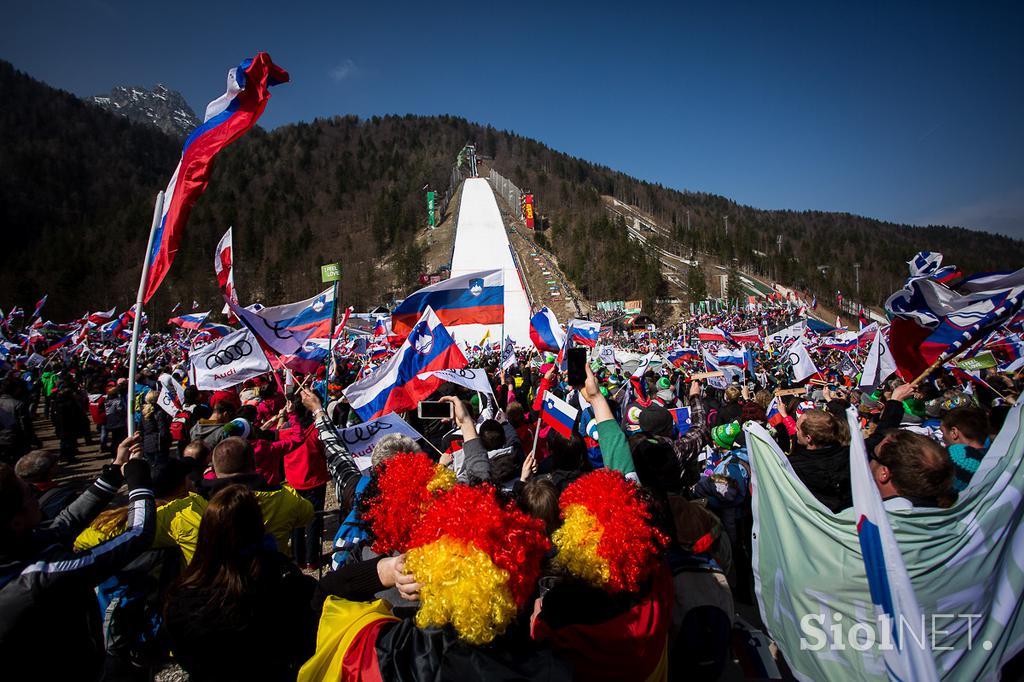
[(90, 458)]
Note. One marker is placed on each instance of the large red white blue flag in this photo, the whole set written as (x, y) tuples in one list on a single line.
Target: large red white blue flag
[(545, 332), (476, 298), (395, 386), (932, 321), (227, 118)]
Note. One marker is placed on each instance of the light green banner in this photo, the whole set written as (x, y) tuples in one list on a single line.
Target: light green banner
[(983, 360), (966, 565)]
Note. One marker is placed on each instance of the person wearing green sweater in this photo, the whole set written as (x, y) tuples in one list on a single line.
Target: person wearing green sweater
[(48, 379), (614, 448)]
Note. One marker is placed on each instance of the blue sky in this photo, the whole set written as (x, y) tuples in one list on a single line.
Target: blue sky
[(907, 112)]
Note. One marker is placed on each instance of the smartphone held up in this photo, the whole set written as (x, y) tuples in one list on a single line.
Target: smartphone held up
[(435, 409)]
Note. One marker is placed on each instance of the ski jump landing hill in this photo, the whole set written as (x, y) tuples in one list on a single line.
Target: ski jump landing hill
[(481, 243)]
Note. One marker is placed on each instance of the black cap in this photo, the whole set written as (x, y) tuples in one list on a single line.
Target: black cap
[(656, 421)]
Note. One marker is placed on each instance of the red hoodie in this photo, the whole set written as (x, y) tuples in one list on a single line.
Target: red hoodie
[(269, 453), (305, 467)]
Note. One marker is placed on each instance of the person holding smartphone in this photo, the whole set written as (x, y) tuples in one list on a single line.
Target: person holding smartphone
[(473, 466)]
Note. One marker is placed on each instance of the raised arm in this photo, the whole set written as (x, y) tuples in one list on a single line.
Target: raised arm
[(614, 448), (340, 462), (476, 465)]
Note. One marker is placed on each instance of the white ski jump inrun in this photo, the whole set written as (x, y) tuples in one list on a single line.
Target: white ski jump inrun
[(481, 243)]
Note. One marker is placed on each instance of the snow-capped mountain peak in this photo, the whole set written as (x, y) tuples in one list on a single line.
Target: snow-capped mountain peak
[(162, 107)]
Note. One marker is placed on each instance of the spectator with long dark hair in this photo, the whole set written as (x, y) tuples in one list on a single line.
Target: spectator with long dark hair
[(241, 610)]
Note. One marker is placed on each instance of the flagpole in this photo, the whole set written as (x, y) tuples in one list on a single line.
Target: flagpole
[(931, 368), (330, 337), (536, 431), (158, 210)]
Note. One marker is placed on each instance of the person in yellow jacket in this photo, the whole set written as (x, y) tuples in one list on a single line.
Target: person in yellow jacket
[(283, 509), (177, 517), (179, 510)]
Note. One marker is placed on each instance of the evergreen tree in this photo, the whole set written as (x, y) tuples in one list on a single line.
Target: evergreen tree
[(696, 284)]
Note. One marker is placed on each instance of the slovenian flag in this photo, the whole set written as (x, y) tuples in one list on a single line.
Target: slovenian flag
[(309, 358), (681, 416), (217, 331), (395, 386), (59, 344), (932, 322), (731, 358), (558, 414), (476, 298), (545, 332), (378, 352), (227, 118), (120, 326), (584, 332), (773, 415), (190, 321), (846, 341)]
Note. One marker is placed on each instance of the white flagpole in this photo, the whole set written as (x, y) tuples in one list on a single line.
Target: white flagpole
[(158, 210)]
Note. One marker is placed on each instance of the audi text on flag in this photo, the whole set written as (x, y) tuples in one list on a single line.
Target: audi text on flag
[(285, 328), (228, 361)]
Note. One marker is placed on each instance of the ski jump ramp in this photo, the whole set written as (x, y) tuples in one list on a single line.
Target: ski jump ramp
[(481, 243)]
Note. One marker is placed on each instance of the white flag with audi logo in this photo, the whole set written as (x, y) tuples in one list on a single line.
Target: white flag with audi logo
[(227, 362)]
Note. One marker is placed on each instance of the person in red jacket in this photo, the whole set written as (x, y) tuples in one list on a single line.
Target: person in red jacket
[(305, 470), (269, 446)]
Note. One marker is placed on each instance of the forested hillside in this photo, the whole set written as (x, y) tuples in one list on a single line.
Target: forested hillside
[(76, 204)]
